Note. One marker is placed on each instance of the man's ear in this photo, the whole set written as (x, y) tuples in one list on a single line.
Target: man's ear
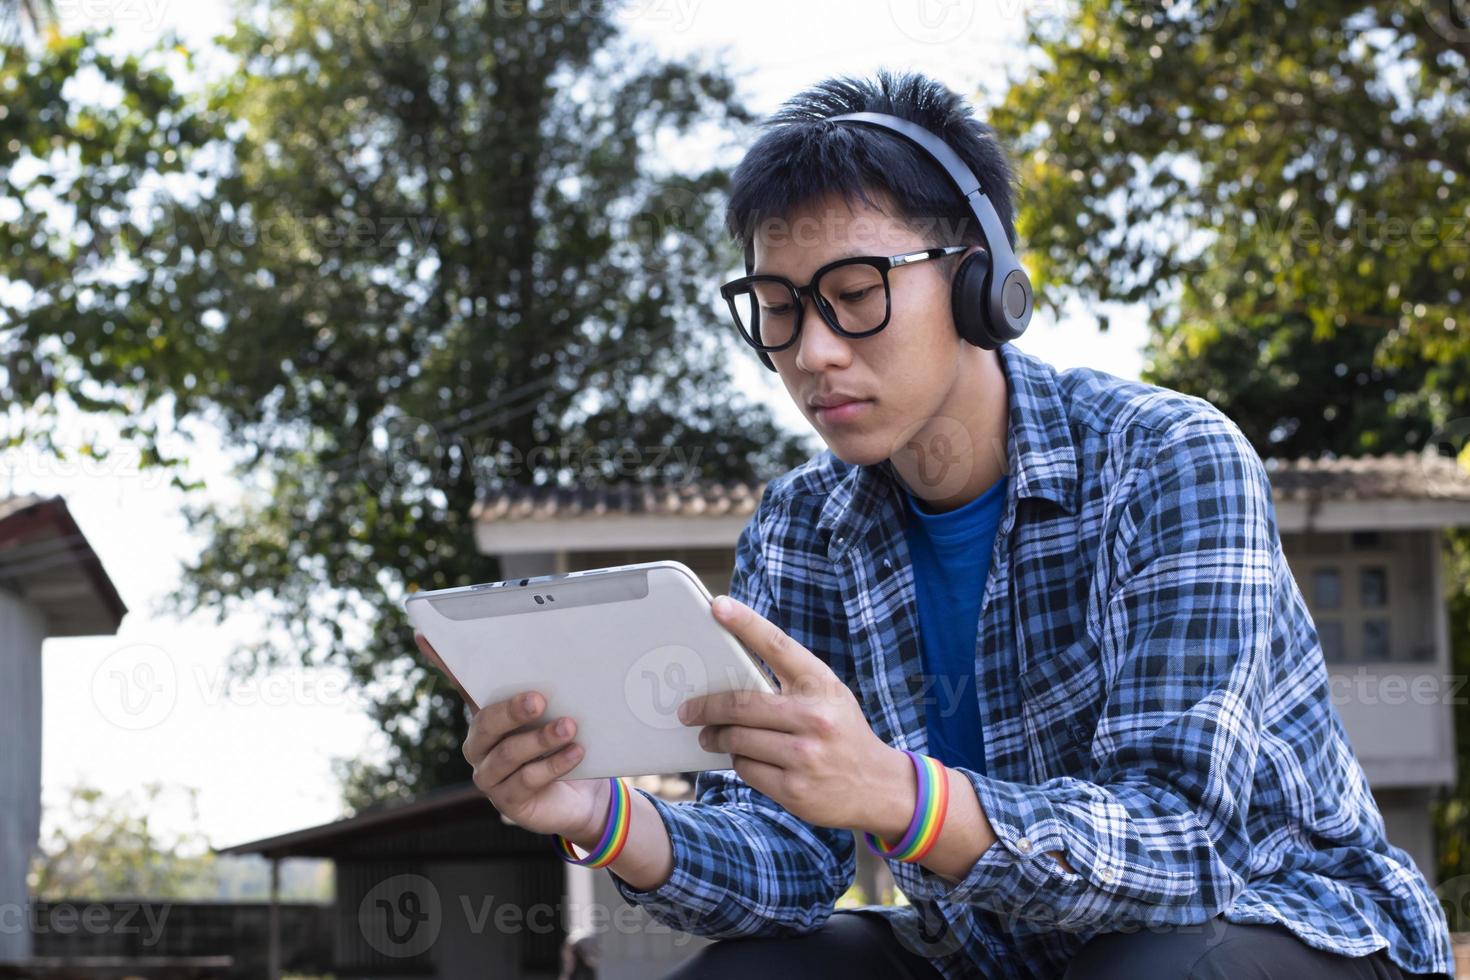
[(950, 264)]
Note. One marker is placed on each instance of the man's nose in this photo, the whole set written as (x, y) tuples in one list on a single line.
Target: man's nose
[(819, 344)]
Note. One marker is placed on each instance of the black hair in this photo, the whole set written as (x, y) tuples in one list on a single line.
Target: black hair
[(803, 157)]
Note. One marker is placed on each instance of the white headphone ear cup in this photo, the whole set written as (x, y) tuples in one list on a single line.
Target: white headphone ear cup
[(967, 300)]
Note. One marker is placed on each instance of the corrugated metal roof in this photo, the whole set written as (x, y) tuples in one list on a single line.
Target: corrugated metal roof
[(13, 505), (45, 558)]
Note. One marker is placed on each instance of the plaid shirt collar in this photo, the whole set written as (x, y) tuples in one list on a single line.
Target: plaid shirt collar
[(1041, 459)]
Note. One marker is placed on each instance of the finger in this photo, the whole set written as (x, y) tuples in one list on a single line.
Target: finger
[(515, 751), (532, 777), (775, 748), (759, 775), (792, 662), (757, 709), (494, 721), (433, 656)]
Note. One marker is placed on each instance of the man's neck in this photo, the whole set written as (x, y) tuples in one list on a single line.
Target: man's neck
[(961, 452)]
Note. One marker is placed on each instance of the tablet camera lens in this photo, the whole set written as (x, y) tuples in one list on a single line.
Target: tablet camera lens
[(551, 598), (538, 600)]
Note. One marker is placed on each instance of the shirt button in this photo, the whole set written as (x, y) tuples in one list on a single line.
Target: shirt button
[(1024, 845), (1106, 876)]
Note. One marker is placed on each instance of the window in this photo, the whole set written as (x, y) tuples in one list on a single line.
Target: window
[(1327, 588), (1358, 610), (1373, 587)]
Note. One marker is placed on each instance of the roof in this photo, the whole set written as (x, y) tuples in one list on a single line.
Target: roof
[(451, 823), (1404, 476), (1399, 477), (693, 514), (697, 498), (46, 560)]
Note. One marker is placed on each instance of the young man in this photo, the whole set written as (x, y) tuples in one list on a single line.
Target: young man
[(1067, 589)]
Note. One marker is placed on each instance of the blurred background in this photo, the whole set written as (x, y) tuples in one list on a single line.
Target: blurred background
[(306, 306)]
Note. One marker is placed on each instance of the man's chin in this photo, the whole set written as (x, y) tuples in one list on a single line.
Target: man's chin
[(857, 450)]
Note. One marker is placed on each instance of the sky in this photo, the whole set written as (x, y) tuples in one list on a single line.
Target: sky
[(154, 703)]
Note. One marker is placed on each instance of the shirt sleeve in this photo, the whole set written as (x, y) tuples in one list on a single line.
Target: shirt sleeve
[(1158, 835), (743, 865)]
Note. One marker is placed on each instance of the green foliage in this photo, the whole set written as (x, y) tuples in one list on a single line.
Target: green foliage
[(395, 263), (119, 854), (1294, 170)]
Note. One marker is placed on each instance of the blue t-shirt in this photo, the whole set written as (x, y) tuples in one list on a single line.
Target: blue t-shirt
[(951, 561)]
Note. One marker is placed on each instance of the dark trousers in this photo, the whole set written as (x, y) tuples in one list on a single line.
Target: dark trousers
[(852, 945)]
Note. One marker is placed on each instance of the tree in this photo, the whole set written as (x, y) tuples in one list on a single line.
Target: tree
[(396, 262), (1266, 177), (118, 854), (1285, 186)]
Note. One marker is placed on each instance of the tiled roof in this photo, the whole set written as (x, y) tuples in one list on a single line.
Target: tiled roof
[(700, 498), (1405, 476)]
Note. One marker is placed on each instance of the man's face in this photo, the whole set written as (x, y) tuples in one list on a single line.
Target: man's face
[(900, 375)]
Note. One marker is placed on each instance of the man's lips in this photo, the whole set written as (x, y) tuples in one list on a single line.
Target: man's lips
[(843, 411), (833, 399)]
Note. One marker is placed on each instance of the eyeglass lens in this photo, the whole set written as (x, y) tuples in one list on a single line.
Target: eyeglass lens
[(857, 295)]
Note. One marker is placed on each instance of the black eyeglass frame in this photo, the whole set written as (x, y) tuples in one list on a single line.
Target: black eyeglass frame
[(883, 263)]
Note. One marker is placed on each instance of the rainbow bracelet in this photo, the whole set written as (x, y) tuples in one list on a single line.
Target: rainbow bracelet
[(929, 811), (614, 834)]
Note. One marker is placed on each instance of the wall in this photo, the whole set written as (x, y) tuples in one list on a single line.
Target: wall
[(22, 631)]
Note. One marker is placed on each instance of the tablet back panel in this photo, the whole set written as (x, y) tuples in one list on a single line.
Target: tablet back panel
[(617, 650)]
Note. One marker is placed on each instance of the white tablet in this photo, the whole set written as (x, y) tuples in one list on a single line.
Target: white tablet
[(617, 649)]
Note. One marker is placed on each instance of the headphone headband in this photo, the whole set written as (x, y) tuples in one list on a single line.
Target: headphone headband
[(1008, 289), (1005, 298)]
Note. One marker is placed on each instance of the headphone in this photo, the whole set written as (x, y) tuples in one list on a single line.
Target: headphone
[(991, 294)]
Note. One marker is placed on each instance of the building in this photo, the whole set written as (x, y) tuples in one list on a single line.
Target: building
[(51, 584), (1363, 538), (443, 886)]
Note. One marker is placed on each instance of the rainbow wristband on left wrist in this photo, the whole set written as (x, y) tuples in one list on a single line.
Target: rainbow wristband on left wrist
[(931, 803), (614, 831)]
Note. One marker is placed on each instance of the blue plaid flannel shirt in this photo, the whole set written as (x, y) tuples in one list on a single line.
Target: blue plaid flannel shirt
[(1152, 689)]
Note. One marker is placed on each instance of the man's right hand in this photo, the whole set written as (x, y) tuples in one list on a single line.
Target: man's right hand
[(522, 786)]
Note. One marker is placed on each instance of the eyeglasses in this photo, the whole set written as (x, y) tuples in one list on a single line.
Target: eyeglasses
[(852, 295)]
